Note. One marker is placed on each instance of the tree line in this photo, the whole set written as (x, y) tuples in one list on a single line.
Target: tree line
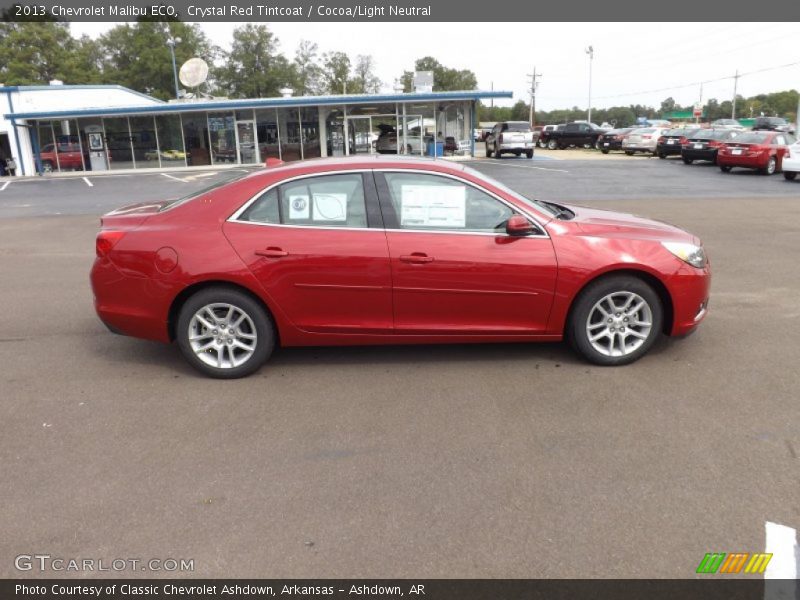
[(781, 104), (136, 55)]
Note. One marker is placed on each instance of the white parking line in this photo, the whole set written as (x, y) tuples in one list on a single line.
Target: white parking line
[(5, 185), (502, 164), (782, 544), (175, 178), (89, 183)]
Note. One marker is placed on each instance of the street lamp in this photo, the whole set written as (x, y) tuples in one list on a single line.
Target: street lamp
[(590, 52), (171, 42)]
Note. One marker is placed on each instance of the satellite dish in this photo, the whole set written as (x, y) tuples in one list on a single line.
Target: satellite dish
[(193, 72)]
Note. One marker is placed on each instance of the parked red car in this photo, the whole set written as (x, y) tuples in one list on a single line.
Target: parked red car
[(761, 150), (69, 157), (385, 251)]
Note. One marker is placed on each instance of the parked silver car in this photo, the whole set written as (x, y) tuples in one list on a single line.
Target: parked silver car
[(644, 139)]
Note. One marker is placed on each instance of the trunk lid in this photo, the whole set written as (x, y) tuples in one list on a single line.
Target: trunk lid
[(132, 215)]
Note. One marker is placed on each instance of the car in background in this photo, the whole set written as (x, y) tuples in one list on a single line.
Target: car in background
[(727, 124), (760, 150), (511, 137), (65, 156), (644, 139), (613, 139), (389, 250), (772, 124), (790, 165), (704, 144), (669, 144), (165, 155), (476, 135), (578, 133), (544, 134), (387, 142)]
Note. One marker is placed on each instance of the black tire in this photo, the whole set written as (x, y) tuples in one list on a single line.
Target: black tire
[(605, 151), (687, 161), (629, 152), (553, 145), (47, 166), (789, 175), (529, 153), (542, 144), (517, 154), (662, 155), (488, 152), (582, 311), (725, 168), (496, 152), (597, 144), (261, 321), (587, 145), (772, 166)]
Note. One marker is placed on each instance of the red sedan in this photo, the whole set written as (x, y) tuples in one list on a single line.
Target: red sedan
[(387, 251), (760, 150)]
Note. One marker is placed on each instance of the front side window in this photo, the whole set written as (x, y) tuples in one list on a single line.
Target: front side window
[(431, 202), (323, 201)]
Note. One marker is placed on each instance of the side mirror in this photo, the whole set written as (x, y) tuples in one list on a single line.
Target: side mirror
[(519, 225)]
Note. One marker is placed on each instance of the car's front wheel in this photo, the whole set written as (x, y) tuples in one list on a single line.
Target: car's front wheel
[(615, 320), (552, 145), (224, 333), (789, 175), (772, 166)]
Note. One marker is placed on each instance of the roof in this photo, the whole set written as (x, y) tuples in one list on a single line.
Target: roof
[(363, 161), (293, 101), (50, 88)]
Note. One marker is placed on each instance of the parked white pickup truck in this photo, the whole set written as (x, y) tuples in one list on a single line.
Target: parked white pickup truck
[(511, 137)]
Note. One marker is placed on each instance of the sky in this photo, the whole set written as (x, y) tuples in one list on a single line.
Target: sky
[(634, 63)]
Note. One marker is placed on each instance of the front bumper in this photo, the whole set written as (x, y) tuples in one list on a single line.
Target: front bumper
[(689, 288)]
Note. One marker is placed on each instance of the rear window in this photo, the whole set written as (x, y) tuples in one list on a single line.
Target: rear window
[(192, 195), (517, 126), (753, 138)]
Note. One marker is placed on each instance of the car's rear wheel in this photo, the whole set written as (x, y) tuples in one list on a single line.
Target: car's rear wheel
[(552, 145), (629, 152), (615, 320), (224, 333), (587, 145), (772, 165), (488, 152), (529, 153), (687, 161), (542, 144), (789, 175), (725, 168), (605, 151), (662, 155)]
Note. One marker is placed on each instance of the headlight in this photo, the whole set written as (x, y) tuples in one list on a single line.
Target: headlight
[(694, 255)]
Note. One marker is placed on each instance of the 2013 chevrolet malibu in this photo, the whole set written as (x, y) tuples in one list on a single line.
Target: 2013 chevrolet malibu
[(386, 251)]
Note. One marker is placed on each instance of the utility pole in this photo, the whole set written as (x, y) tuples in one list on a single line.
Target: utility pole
[(590, 52), (735, 85), (534, 85), (491, 101), (700, 104)]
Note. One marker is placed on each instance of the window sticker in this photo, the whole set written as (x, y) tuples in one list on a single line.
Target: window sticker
[(330, 207), (432, 206), (299, 207)]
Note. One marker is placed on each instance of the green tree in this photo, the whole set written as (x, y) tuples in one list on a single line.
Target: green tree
[(444, 78), (254, 68), (34, 53), (307, 73), (336, 72), (364, 80), (136, 55)]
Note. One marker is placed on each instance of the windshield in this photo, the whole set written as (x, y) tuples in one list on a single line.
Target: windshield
[(172, 203), (540, 206)]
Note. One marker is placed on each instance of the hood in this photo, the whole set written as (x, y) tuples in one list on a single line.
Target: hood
[(606, 223)]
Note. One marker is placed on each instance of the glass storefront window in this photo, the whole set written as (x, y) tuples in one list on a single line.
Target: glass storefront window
[(170, 141), (195, 135), (143, 137), (68, 146), (334, 128), (47, 152), (223, 137), (118, 142), (289, 127), (267, 133), (309, 117)]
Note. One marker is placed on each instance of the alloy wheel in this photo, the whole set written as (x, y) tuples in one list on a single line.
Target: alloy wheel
[(619, 323), (222, 335)]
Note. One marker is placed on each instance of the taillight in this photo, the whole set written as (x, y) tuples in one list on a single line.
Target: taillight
[(683, 140), (661, 139), (646, 137), (105, 241)]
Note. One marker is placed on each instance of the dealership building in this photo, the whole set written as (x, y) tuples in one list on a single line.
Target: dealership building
[(108, 127)]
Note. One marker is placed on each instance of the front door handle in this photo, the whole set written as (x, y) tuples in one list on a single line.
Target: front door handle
[(272, 252), (416, 258)]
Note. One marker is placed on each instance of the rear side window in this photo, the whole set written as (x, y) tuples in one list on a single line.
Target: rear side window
[(324, 201)]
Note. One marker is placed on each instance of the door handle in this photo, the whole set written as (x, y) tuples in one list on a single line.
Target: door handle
[(417, 258), (272, 252)]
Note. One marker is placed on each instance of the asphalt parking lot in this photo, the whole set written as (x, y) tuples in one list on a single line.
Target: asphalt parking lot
[(447, 461)]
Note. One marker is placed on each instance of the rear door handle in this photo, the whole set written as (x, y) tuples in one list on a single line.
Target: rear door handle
[(272, 252), (417, 258)]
